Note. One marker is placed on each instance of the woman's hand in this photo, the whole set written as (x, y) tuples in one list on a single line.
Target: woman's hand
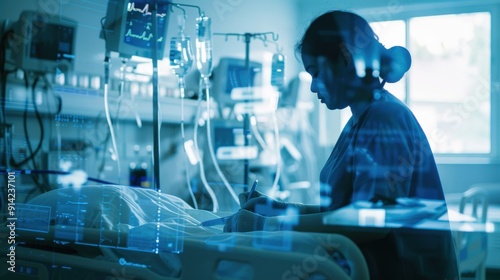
[(262, 204), (243, 197), (243, 221)]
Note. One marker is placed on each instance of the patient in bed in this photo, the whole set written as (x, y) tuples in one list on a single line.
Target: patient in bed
[(381, 155), (100, 214), (114, 207)]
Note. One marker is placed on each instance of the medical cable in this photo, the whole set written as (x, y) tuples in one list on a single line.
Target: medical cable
[(188, 181), (183, 136), (25, 128), (129, 102), (211, 149), (40, 124), (101, 147), (204, 63), (108, 116), (278, 150), (32, 153), (215, 201), (106, 105), (181, 61), (39, 77), (223, 220), (204, 66), (256, 133)]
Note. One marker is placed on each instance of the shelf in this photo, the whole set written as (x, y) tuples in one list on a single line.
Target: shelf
[(90, 103)]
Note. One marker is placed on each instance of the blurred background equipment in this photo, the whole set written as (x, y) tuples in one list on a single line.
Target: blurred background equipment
[(43, 43)]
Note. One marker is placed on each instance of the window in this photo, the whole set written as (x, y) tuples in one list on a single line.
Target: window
[(448, 85)]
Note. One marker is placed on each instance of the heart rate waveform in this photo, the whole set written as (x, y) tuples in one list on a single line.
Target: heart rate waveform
[(145, 11), (144, 36), (138, 28)]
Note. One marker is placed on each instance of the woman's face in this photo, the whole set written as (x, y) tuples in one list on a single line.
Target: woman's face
[(330, 81)]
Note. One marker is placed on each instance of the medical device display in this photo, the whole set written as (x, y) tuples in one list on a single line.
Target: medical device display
[(230, 74), (127, 28), (44, 43), (229, 142)]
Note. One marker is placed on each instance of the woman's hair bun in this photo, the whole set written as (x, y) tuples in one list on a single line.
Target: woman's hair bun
[(395, 63)]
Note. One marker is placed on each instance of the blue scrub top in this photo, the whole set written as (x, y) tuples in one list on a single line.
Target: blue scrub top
[(385, 153)]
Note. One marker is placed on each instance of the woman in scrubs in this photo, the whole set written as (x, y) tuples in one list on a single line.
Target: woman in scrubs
[(381, 155)]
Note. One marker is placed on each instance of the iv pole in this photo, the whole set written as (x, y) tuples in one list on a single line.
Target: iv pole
[(246, 117), (156, 101), (156, 111)]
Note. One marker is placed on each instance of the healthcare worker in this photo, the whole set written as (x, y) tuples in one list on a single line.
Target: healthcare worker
[(382, 153)]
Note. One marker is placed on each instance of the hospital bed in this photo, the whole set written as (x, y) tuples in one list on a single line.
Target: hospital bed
[(118, 232)]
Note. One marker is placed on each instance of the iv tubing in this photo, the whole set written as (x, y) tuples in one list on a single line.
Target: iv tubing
[(278, 151), (183, 135), (255, 131), (200, 161), (108, 116), (210, 148)]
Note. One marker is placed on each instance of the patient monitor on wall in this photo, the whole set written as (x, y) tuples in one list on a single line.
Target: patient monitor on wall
[(43, 43), (127, 28), (229, 142), (230, 76)]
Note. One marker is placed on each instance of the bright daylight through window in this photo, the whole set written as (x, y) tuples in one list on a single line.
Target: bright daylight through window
[(448, 85)]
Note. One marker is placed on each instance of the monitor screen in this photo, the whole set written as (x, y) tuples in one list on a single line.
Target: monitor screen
[(232, 73), (53, 42), (229, 141), (138, 24), (47, 42), (128, 27), (238, 76), (227, 134)]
